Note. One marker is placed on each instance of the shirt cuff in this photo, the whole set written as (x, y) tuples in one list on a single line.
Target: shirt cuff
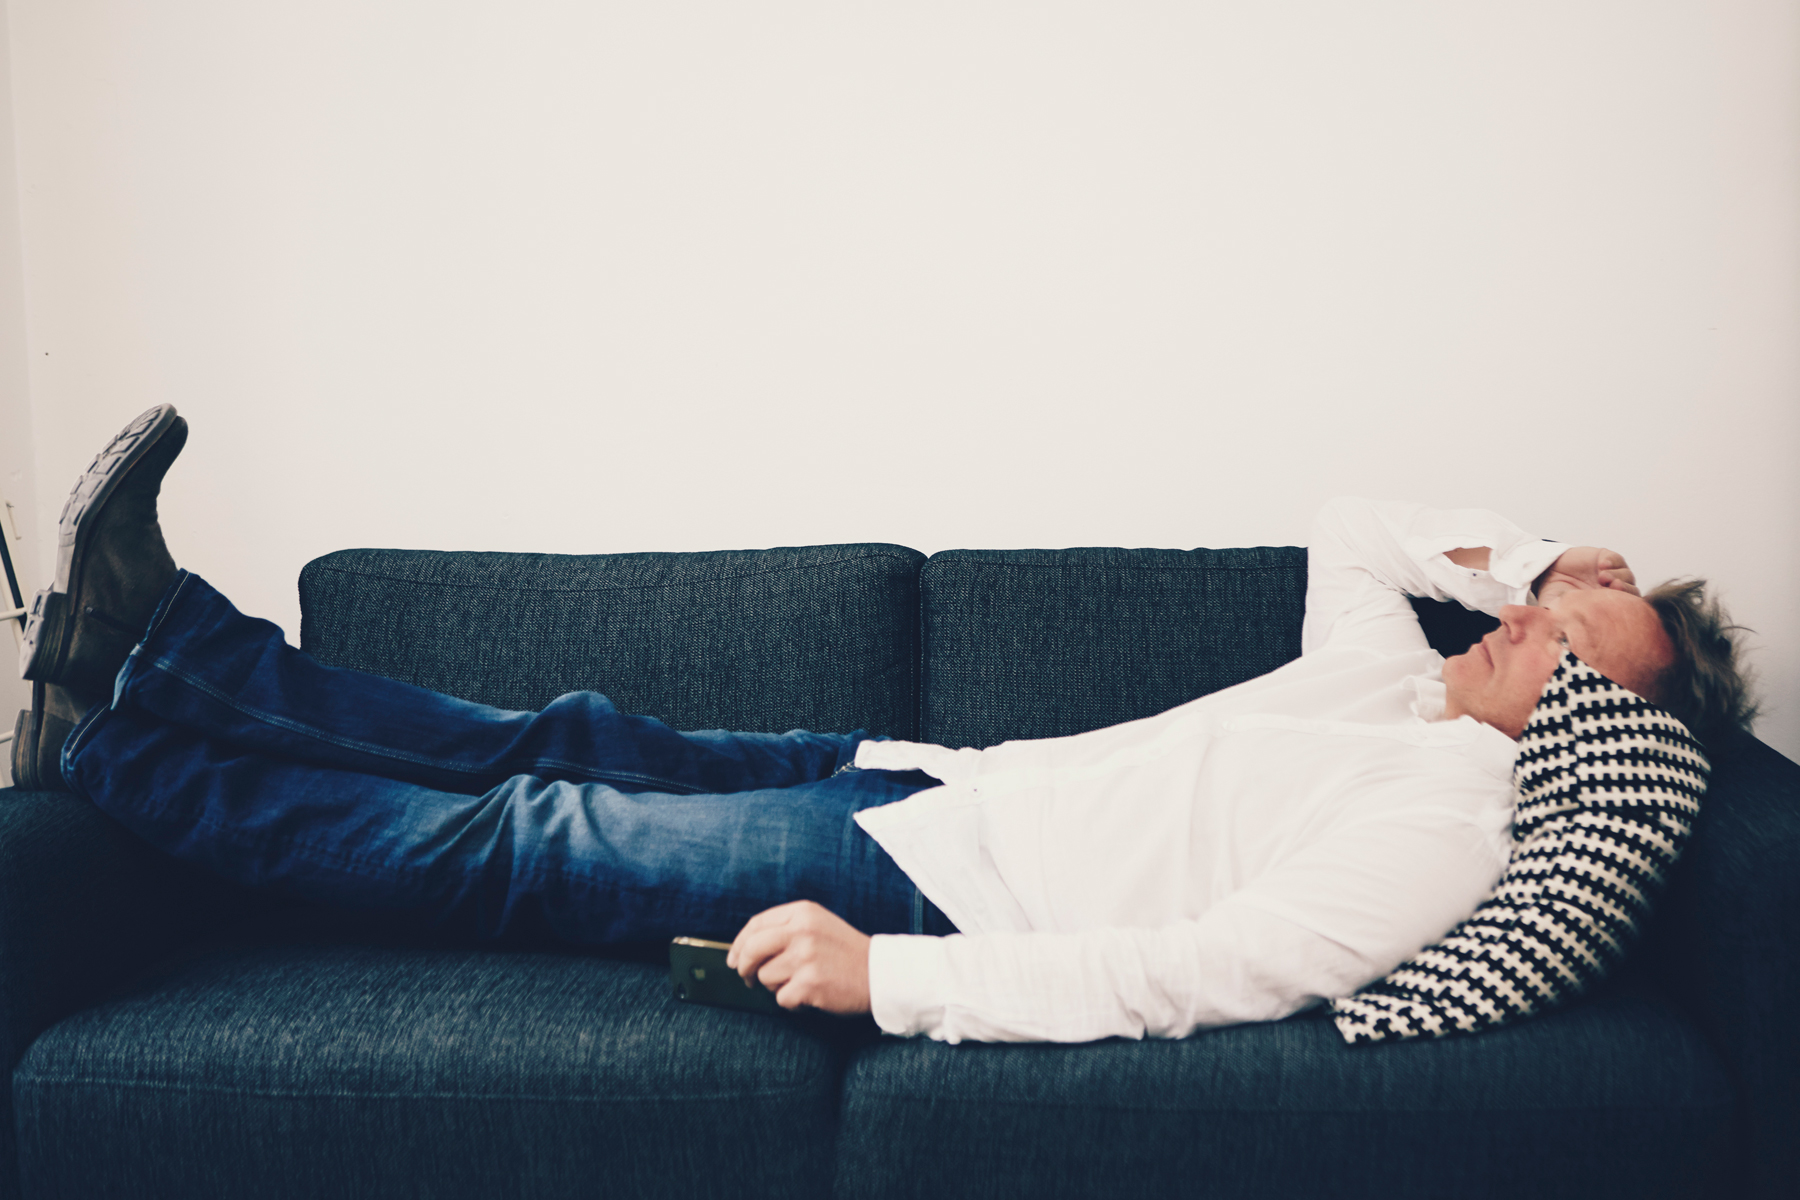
[(907, 982), (1523, 563)]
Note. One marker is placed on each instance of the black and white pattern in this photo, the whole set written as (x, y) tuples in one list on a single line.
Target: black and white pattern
[(1609, 786)]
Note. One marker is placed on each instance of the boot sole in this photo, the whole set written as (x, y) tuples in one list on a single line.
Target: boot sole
[(21, 730), (48, 629), (43, 629), (28, 768)]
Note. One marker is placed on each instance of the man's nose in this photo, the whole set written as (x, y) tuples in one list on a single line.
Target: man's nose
[(1518, 618)]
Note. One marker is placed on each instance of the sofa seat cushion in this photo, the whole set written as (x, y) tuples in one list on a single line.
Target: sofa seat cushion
[(1615, 1096), (308, 1071)]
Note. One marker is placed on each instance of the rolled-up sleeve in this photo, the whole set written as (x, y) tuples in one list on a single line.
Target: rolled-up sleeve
[(1365, 557)]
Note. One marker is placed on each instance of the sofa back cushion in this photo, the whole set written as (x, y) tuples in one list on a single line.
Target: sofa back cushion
[(813, 637), (1041, 643)]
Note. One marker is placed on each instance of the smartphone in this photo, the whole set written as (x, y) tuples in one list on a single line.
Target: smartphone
[(698, 972)]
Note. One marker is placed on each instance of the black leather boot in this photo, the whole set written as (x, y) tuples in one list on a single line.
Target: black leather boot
[(39, 735), (111, 565)]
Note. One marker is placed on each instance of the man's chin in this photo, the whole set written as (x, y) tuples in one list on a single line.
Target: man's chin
[(1461, 676)]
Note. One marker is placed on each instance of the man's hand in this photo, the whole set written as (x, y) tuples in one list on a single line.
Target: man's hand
[(1584, 568), (805, 954)]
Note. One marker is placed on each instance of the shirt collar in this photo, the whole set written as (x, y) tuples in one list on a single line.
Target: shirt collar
[(1429, 695), (1488, 746)]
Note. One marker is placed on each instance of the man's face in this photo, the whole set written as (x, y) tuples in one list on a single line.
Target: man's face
[(1498, 680)]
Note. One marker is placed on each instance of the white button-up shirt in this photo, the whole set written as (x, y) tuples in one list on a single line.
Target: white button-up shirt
[(1237, 858)]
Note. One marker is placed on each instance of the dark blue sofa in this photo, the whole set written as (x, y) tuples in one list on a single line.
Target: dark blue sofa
[(171, 1036)]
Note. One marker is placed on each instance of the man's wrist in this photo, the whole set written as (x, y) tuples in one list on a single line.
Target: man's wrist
[(1527, 567), (1537, 584)]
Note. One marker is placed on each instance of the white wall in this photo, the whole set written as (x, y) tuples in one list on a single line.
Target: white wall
[(604, 276), (17, 476)]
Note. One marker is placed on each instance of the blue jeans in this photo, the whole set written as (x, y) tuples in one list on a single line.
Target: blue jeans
[(228, 748)]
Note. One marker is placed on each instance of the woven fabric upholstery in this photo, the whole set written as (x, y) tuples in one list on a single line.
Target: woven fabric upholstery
[(297, 1071), (1726, 942), (1620, 1096), (1449, 627), (814, 637), (1041, 643), (1609, 786), (83, 904)]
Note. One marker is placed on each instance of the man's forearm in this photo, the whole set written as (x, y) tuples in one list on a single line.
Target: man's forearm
[(1365, 556), (1576, 568), (1473, 558)]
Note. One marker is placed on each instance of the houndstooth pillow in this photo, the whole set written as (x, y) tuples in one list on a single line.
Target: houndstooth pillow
[(1608, 786)]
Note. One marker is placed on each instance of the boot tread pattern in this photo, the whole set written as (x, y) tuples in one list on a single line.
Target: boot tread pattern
[(48, 628), (96, 481)]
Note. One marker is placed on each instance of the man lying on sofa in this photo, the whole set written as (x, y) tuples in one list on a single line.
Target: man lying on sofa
[(1236, 858)]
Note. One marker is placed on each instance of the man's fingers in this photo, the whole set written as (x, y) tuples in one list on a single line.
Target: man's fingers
[(800, 987), (761, 938), (802, 943), (781, 960), (752, 951), (1613, 572), (767, 935), (777, 975), (791, 973)]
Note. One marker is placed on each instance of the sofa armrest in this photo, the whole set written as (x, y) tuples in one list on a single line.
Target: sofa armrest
[(1727, 945), (83, 906)]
